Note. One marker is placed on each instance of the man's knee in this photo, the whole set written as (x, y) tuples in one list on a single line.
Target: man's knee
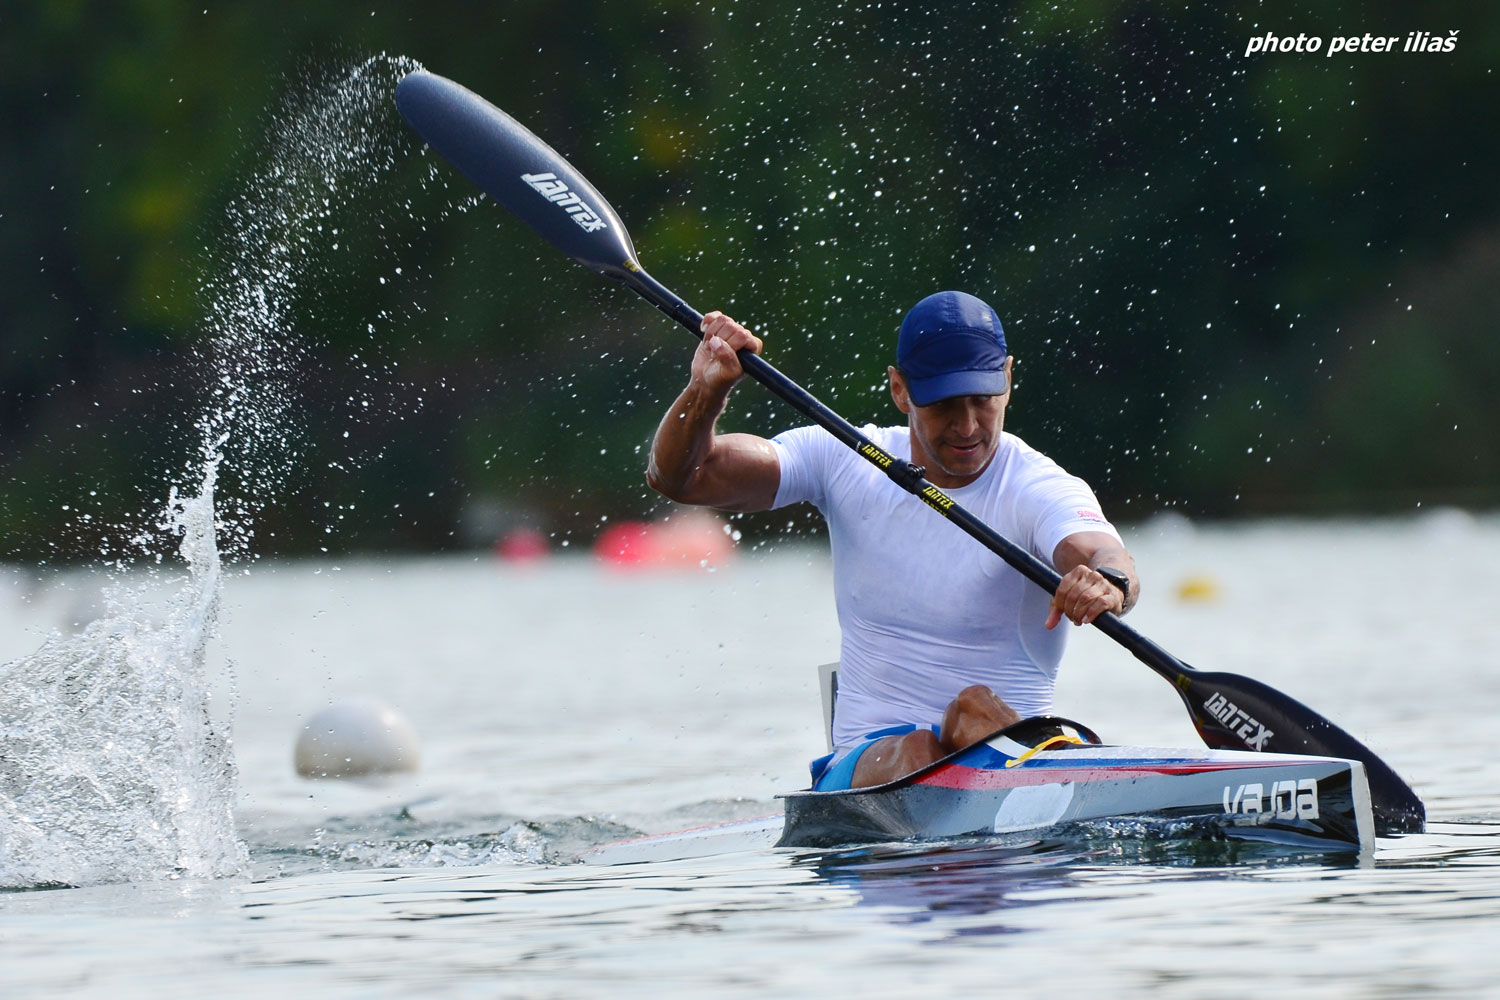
[(975, 713), (895, 756), (977, 699), (980, 704)]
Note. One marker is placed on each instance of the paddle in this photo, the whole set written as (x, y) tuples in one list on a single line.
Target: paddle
[(533, 181)]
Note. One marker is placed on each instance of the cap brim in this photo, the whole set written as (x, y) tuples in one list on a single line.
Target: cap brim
[(926, 391)]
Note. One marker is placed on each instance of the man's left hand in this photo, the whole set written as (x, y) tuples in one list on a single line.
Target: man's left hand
[(1083, 596)]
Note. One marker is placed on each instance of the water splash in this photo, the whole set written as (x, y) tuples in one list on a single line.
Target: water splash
[(333, 139), (112, 766), (403, 841)]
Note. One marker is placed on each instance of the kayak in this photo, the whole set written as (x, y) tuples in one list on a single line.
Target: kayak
[(1049, 772), (1041, 773)]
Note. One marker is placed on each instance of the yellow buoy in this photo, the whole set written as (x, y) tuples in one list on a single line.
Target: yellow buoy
[(1198, 588)]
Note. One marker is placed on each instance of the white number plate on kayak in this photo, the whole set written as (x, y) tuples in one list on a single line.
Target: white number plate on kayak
[(1033, 806)]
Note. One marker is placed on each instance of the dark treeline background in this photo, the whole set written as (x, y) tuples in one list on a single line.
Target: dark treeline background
[(1236, 284)]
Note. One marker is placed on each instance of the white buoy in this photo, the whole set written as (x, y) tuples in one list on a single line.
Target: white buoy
[(356, 737)]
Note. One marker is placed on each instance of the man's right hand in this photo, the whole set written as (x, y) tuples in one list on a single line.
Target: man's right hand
[(716, 365), (690, 461)]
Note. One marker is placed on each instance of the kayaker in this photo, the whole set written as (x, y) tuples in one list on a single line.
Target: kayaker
[(942, 642)]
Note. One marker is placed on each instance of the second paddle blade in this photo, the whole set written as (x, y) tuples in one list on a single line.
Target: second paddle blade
[(1232, 712)]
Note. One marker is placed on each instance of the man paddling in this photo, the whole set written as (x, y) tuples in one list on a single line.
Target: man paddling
[(942, 643)]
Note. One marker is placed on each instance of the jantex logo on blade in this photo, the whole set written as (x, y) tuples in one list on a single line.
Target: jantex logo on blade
[(555, 191), (1234, 718)]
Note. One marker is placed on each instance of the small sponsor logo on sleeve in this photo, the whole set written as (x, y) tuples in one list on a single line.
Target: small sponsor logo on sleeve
[(1091, 515)]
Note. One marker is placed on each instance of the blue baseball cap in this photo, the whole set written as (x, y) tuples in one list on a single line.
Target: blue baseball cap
[(951, 344)]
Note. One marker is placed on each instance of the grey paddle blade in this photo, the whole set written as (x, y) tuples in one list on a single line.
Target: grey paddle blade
[(518, 170)]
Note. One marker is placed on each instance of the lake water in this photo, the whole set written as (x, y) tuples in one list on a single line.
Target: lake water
[(565, 704)]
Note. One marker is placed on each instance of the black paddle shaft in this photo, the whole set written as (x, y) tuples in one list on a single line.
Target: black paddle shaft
[(539, 186)]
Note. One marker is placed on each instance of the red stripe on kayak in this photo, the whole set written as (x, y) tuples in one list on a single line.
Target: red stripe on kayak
[(960, 776)]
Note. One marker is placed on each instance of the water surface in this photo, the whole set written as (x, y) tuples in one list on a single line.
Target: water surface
[(563, 704)]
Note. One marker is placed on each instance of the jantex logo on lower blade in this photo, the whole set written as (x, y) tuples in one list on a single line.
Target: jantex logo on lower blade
[(557, 192), (1237, 721)]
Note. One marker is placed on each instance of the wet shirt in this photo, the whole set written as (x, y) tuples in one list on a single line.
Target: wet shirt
[(924, 609)]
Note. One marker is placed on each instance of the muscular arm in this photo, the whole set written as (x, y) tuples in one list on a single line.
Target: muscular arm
[(1083, 594), (692, 463)]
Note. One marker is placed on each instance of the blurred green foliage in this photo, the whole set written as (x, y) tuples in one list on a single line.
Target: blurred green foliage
[(1236, 284)]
